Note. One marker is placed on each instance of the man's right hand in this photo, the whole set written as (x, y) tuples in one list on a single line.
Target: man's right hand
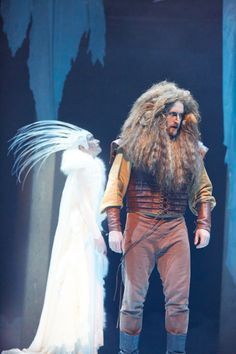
[(115, 241)]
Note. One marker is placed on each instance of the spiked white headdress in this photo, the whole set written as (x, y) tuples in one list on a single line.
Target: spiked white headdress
[(35, 142)]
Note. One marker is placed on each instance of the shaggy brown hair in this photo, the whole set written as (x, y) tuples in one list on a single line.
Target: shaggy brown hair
[(146, 143)]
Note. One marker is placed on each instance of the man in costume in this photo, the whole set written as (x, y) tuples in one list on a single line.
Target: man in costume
[(158, 165)]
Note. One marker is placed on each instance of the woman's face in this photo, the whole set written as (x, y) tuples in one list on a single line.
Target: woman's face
[(93, 145)]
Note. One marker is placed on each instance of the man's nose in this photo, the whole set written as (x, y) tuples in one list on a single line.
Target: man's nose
[(178, 117)]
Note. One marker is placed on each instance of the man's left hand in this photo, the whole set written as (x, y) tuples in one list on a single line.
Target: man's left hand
[(202, 238)]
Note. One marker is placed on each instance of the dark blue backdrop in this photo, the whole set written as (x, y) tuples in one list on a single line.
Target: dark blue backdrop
[(146, 42)]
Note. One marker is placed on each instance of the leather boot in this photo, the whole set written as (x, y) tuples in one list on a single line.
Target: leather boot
[(128, 343), (176, 343)]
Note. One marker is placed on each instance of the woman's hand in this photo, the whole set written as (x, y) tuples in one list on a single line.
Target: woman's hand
[(100, 245)]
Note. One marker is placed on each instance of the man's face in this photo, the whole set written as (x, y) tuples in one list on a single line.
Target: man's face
[(174, 118)]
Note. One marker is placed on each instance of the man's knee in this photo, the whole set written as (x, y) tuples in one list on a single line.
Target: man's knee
[(130, 323), (177, 317)]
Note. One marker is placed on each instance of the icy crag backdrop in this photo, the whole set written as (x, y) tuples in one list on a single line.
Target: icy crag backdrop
[(140, 43)]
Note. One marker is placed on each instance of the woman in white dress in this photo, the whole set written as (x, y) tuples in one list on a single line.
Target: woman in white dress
[(72, 318)]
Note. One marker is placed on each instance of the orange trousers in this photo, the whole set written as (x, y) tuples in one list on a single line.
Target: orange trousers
[(167, 247)]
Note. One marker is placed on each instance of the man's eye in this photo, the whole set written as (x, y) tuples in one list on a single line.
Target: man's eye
[(176, 114)]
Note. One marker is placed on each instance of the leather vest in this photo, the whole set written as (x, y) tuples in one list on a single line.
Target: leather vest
[(144, 195)]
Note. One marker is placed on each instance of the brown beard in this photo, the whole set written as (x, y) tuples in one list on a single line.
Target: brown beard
[(175, 162)]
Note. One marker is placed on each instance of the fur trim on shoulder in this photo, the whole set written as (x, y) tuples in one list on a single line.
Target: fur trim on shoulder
[(75, 159)]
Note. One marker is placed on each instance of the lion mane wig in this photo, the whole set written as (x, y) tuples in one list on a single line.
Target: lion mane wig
[(145, 142)]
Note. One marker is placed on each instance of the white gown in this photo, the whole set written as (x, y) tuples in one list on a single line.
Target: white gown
[(72, 318)]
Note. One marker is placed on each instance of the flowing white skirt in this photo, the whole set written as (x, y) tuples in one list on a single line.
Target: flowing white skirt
[(72, 318)]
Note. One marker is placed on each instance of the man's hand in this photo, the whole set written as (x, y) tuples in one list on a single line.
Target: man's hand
[(202, 238), (115, 241), (100, 245)]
